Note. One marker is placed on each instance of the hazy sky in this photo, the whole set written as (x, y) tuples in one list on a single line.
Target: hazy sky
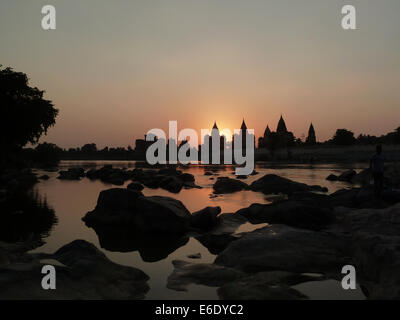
[(116, 69)]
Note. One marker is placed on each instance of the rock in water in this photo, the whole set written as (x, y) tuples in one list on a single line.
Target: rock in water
[(347, 176), (130, 208), (271, 183), (292, 213), (135, 186), (375, 244), (364, 177), (332, 177), (151, 246), (228, 185), (206, 274), (279, 247), (205, 219), (84, 272), (72, 174), (273, 285)]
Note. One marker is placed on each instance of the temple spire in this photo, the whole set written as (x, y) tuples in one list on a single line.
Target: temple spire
[(267, 131), (281, 126), (311, 138), (243, 127)]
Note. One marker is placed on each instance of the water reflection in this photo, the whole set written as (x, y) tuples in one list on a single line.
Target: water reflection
[(25, 216), (154, 255), (150, 247)]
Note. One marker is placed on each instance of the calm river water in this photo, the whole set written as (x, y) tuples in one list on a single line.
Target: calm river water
[(71, 200)]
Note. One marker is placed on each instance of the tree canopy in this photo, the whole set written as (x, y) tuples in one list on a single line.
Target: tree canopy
[(25, 115), (343, 137)]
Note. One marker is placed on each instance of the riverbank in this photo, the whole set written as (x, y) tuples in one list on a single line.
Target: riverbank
[(309, 227)]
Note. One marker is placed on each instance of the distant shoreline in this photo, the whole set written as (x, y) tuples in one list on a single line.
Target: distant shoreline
[(299, 155)]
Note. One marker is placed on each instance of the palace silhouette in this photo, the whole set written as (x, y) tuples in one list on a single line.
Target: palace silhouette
[(280, 138)]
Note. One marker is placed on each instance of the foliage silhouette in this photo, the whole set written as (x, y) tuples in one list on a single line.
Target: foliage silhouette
[(25, 114)]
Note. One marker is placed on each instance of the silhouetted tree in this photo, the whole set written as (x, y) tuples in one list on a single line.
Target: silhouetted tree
[(367, 139), (25, 115), (89, 148), (47, 154), (343, 137), (392, 137)]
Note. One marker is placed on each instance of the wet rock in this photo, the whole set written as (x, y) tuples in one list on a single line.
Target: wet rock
[(347, 175), (279, 247), (271, 183), (108, 174), (187, 177), (194, 256), (205, 219), (169, 179), (290, 212), (392, 175), (228, 185), (211, 275), (84, 272), (135, 186), (92, 174), (217, 239), (172, 184), (151, 247), (71, 174), (375, 242), (363, 178), (273, 285), (44, 177), (125, 207), (363, 198), (276, 197), (332, 177), (237, 285)]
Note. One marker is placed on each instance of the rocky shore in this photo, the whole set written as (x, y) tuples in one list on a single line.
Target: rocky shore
[(303, 235)]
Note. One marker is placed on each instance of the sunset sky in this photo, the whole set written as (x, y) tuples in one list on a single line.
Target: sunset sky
[(116, 69)]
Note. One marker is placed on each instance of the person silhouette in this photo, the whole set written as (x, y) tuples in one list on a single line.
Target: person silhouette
[(377, 167)]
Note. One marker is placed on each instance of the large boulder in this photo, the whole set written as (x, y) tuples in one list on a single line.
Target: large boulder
[(135, 186), (375, 243), (272, 285), (292, 213), (347, 175), (363, 198), (237, 285), (83, 272), (228, 185), (279, 247), (271, 183), (211, 275), (169, 179), (125, 207), (363, 178), (171, 183), (225, 231), (206, 218), (151, 246), (392, 175), (71, 174), (332, 177)]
